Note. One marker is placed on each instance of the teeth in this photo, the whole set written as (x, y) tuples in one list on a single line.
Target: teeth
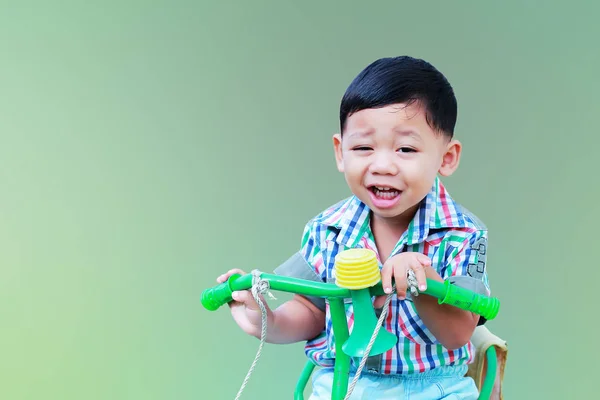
[(385, 193)]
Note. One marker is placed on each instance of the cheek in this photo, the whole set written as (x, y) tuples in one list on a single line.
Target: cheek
[(354, 171), (419, 174), (353, 175)]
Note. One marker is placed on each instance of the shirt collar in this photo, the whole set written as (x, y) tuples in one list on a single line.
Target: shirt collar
[(436, 211)]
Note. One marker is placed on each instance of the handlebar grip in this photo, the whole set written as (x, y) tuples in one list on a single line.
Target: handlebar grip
[(219, 295), (485, 306)]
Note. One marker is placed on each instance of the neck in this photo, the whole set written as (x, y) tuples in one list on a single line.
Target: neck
[(394, 227), (397, 224), (386, 235), (387, 232)]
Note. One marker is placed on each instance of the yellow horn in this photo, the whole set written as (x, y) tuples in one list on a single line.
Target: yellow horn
[(357, 270)]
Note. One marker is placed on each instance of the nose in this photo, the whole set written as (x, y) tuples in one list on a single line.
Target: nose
[(383, 163)]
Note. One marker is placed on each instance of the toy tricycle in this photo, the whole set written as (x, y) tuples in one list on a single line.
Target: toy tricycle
[(358, 279)]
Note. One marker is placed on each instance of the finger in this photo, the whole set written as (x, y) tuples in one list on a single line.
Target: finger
[(246, 298), (400, 278), (379, 301), (424, 260), (420, 275), (386, 278), (226, 275)]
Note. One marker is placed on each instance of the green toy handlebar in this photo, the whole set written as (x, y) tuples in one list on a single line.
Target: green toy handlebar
[(219, 295), (445, 292), (358, 279)]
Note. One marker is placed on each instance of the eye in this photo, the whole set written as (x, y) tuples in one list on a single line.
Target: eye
[(406, 150), (362, 148)]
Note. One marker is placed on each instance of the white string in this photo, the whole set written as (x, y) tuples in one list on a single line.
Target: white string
[(412, 285), (369, 346), (259, 286)]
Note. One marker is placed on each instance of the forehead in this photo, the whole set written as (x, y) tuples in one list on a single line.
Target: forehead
[(402, 119)]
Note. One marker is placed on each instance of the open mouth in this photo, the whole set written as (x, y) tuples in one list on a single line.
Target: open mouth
[(384, 192)]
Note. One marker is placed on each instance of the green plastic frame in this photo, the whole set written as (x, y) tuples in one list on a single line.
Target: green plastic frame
[(446, 293), (486, 387)]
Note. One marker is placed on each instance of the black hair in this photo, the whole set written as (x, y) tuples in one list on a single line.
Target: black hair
[(402, 79)]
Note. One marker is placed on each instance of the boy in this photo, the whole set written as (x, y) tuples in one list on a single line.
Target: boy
[(397, 123)]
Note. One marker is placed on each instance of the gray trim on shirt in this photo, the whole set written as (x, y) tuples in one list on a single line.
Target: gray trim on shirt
[(297, 267), (470, 283)]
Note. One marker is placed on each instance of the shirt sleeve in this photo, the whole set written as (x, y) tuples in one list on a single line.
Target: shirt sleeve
[(306, 264), (468, 269), (469, 262)]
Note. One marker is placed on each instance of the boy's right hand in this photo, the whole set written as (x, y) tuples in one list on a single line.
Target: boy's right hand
[(244, 309)]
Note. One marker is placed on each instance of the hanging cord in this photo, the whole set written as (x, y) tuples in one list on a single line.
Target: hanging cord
[(259, 286), (412, 285)]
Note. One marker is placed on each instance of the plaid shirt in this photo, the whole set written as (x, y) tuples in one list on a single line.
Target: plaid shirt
[(455, 241)]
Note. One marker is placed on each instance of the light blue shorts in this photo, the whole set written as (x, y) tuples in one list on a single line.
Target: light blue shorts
[(448, 383)]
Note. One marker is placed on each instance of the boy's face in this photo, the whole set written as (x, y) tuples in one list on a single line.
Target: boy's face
[(390, 157)]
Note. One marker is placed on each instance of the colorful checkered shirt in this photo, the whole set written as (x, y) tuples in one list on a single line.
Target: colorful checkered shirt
[(453, 238)]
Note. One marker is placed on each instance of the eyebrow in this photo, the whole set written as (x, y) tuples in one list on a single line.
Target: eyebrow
[(361, 133), (399, 131), (407, 132)]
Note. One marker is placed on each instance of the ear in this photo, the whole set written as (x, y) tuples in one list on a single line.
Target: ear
[(337, 148), (450, 158)]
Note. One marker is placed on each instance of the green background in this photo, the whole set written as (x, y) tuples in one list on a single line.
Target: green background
[(147, 147)]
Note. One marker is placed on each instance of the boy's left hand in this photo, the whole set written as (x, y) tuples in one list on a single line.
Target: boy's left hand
[(397, 267)]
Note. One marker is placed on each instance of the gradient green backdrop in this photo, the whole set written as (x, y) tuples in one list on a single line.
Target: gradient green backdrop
[(146, 147)]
